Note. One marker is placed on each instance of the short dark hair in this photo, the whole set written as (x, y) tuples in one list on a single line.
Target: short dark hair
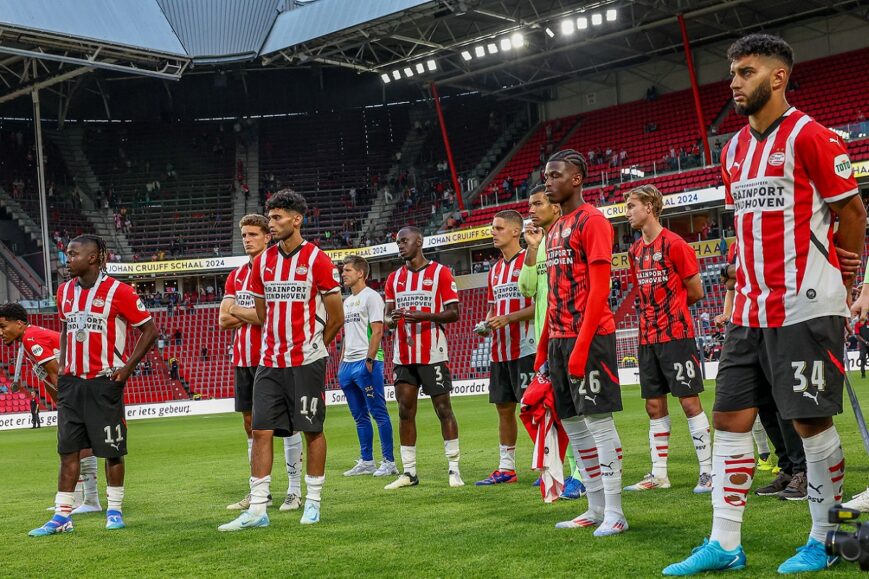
[(763, 45), (13, 311), (537, 189), (573, 157), (509, 215), (359, 263), (255, 220), (413, 229), (288, 200)]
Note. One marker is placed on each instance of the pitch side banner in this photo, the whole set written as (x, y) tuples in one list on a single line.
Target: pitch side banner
[(861, 170), (387, 249)]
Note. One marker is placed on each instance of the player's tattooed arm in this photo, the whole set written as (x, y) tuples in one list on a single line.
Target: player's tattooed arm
[(851, 234)]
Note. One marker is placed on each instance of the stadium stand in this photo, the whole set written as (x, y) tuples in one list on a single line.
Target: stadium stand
[(168, 175)]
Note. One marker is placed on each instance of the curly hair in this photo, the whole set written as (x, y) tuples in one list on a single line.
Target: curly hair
[(14, 312), (573, 157), (288, 200), (255, 220), (763, 45)]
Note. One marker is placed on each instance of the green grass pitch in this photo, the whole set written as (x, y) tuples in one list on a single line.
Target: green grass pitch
[(182, 472)]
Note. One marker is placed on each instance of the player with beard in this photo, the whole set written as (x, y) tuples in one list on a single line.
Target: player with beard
[(578, 343), (95, 311), (786, 177), (420, 298), (298, 301), (237, 312)]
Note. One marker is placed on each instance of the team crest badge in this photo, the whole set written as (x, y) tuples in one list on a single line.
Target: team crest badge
[(98, 303), (515, 273), (776, 160), (657, 256), (566, 232), (302, 270), (427, 282)]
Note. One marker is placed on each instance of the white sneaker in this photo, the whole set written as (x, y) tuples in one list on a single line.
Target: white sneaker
[(85, 508), (386, 468), (859, 502), (362, 467), (244, 504), (291, 503), (586, 519), (405, 480), (650, 482), (246, 520), (704, 484), (614, 527), (456, 480)]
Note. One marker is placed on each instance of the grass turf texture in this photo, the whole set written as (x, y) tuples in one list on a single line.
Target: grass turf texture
[(182, 472)]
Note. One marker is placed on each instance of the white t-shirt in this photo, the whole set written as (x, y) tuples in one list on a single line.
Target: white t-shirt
[(360, 311)]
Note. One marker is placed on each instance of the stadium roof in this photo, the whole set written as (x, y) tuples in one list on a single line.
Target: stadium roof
[(462, 44)]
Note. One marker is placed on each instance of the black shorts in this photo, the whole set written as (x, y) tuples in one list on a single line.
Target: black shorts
[(290, 399), (670, 367), (510, 379), (244, 376), (435, 379), (599, 391), (798, 367), (90, 414)]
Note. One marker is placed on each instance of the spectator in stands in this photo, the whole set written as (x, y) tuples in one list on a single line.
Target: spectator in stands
[(204, 353), (173, 368), (623, 156), (652, 94), (146, 368), (352, 195)]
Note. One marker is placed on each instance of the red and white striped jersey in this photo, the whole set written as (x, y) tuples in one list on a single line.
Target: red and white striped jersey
[(429, 289), (96, 338), (248, 337), (40, 346), (513, 341), (780, 185), (293, 286)]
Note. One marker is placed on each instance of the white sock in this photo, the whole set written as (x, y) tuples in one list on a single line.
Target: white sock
[(259, 494), (825, 473), (508, 457), (759, 434), (408, 459), (78, 493), (63, 503), (249, 449), (698, 426), (89, 476), (732, 472), (659, 444), (603, 429), (115, 496), (585, 451), (293, 458), (451, 450), (314, 485)]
